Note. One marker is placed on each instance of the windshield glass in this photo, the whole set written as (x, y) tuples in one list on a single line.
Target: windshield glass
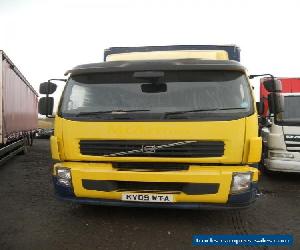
[(291, 108), (209, 93)]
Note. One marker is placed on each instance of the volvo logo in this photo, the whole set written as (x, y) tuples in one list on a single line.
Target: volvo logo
[(149, 149)]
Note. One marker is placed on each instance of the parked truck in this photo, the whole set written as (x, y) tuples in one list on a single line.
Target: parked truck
[(19, 113), (281, 140), (45, 128), (158, 126)]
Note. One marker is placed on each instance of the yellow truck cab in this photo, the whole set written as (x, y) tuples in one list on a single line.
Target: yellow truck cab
[(166, 126)]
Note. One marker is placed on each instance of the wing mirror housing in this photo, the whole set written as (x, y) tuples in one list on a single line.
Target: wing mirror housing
[(47, 88), (275, 98), (272, 85), (45, 106), (276, 103)]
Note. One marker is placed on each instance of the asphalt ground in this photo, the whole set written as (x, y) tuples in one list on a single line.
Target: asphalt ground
[(32, 218)]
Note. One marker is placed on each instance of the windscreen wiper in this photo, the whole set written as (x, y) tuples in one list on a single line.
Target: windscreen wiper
[(197, 110), (114, 111)]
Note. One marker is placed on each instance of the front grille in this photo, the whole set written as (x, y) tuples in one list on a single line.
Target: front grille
[(149, 166), (293, 147), (292, 143), (152, 148), (158, 187)]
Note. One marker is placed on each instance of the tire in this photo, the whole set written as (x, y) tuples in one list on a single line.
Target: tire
[(26, 145)]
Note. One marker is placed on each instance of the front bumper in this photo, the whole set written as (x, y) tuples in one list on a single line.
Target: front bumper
[(282, 166), (103, 172), (238, 201)]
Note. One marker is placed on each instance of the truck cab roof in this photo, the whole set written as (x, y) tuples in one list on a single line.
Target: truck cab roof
[(167, 65), (232, 51)]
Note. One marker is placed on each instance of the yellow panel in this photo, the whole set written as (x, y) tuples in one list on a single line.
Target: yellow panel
[(255, 150), (54, 148), (170, 55), (58, 132), (231, 132), (252, 148), (196, 174)]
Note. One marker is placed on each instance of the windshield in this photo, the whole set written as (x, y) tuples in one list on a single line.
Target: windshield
[(291, 108), (203, 94)]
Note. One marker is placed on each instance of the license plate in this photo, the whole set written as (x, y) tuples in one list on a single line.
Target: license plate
[(147, 197)]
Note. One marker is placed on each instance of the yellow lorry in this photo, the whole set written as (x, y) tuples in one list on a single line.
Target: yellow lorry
[(158, 126)]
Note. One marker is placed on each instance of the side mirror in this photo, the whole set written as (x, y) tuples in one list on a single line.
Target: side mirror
[(272, 85), (276, 103), (47, 88), (46, 105), (279, 103), (260, 107)]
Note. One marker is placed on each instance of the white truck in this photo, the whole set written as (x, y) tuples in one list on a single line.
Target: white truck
[(281, 135)]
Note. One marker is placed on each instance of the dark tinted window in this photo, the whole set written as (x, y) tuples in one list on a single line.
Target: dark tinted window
[(186, 90)]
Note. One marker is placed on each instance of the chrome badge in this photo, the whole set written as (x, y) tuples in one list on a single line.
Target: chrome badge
[(149, 149)]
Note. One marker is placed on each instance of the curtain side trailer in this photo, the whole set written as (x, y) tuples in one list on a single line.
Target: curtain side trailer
[(18, 105)]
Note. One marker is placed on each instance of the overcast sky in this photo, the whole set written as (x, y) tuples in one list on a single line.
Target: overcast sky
[(45, 38)]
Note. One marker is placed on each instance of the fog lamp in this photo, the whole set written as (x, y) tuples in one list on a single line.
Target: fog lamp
[(63, 176), (241, 182)]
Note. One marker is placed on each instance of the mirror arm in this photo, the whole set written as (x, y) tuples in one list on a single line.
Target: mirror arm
[(253, 76), (62, 80)]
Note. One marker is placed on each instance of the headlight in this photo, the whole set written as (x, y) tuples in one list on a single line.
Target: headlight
[(281, 155), (241, 182), (63, 176)]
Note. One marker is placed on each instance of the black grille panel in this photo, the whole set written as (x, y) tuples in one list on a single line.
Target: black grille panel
[(149, 166), (152, 148), (159, 187)]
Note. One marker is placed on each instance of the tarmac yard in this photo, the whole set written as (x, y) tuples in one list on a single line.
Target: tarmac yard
[(32, 218)]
